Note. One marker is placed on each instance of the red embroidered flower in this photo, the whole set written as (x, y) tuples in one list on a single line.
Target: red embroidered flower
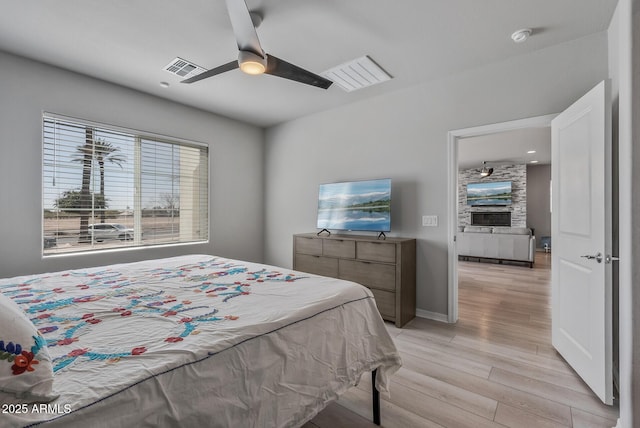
[(93, 320), (186, 302), (66, 341), (58, 290), (186, 319), (78, 352), (23, 362), (85, 316), (173, 339), (43, 316), (231, 317), (169, 313), (139, 350), (118, 309), (125, 314)]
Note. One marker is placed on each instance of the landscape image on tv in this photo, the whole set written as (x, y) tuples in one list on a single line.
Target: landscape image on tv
[(356, 205), (494, 193)]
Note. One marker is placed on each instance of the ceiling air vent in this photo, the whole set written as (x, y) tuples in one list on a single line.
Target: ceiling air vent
[(183, 68), (357, 74)]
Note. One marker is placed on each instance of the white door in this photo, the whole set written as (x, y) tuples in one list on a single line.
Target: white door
[(581, 233)]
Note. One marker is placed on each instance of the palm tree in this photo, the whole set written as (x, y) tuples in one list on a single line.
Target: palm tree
[(86, 151), (106, 152), (103, 152)]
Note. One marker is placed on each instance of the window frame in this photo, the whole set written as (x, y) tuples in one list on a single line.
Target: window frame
[(138, 135)]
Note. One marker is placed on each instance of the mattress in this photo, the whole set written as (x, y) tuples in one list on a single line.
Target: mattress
[(198, 341)]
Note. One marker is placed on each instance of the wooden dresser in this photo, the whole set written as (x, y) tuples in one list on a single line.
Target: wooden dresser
[(386, 267)]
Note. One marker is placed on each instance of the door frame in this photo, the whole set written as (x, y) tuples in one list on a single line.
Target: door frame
[(452, 139)]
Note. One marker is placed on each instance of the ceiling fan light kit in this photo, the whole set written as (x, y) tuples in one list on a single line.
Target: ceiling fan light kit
[(485, 172), (251, 63)]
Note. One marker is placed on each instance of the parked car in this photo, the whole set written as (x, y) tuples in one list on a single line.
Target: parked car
[(101, 231), (49, 242)]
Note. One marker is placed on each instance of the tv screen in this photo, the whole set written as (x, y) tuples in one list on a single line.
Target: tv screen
[(489, 193), (355, 205)]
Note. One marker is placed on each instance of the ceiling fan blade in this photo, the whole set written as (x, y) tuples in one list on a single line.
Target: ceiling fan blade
[(243, 28), (281, 68), (214, 71)]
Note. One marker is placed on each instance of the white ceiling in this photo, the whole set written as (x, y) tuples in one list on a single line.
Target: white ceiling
[(506, 148), (129, 42)]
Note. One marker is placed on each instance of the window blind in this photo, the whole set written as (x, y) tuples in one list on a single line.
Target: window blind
[(107, 187)]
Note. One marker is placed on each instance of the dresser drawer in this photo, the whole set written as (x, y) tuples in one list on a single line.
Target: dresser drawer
[(376, 251), (308, 246), (374, 275), (386, 303), (339, 248), (316, 264)]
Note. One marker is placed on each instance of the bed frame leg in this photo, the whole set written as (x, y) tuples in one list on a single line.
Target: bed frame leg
[(376, 398)]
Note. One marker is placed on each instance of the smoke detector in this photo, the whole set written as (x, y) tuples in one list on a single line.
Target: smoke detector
[(521, 35)]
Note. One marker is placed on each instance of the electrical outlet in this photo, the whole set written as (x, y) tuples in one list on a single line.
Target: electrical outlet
[(430, 220)]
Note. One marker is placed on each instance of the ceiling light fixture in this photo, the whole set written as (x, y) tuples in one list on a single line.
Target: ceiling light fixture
[(251, 63), (534, 161), (164, 84), (485, 172), (521, 35), (531, 151)]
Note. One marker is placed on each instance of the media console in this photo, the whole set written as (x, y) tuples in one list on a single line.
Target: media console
[(387, 267)]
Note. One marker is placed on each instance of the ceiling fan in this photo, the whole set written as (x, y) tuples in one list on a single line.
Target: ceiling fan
[(485, 172), (252, 59)]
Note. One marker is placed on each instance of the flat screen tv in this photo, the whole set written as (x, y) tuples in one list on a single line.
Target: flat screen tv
[(489, 193), (355, 206)]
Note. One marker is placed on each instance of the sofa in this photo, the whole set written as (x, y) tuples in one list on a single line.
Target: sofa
[(497, 242)]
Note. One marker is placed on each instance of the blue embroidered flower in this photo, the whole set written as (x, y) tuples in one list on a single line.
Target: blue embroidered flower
[(10, 348)]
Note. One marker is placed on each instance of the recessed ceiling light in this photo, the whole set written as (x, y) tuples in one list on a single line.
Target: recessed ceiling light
[(531, 151), (534, 162), (521, 35), (164, 84)]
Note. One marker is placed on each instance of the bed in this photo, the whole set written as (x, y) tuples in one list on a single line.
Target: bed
[(193, 340)]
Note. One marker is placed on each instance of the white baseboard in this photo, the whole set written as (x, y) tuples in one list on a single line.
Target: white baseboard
[(431, 315)]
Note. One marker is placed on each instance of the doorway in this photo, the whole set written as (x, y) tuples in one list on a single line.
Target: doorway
[(454, 138)]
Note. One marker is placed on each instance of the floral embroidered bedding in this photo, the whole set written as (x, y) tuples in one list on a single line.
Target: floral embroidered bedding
[(190, 341)]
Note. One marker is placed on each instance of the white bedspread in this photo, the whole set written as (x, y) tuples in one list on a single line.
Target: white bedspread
[(199, 341)]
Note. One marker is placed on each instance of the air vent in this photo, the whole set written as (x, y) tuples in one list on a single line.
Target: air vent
[(183, 68), (357, 74)]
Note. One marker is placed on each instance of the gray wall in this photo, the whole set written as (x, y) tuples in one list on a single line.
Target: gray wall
[(516, 174), (538, 200), (28, 88), (403, 136)]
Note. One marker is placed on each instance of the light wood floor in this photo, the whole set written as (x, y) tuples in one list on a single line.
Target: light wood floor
[(494, 368)]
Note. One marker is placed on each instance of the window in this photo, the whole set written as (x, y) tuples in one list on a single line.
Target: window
[(106, 187)]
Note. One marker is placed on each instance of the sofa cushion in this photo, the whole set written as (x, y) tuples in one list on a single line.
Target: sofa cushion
[(512, 230), (478, 229)]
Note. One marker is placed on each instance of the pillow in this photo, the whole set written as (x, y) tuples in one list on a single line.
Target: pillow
[(478, 229), (26, 371)]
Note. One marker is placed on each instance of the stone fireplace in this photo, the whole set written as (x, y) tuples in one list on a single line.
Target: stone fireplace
[(514, 215)]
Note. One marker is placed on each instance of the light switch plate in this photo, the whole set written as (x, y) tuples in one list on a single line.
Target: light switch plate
[(430, 220)]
